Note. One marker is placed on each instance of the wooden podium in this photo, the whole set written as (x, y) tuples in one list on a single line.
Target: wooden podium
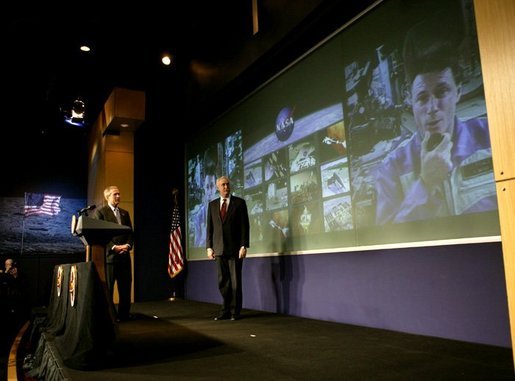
[(95, 234)]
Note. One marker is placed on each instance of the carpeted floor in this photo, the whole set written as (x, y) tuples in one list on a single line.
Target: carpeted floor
[(179, 340)]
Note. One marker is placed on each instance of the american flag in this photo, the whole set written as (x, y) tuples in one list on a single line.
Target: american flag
[(175, 257), (37, 204)]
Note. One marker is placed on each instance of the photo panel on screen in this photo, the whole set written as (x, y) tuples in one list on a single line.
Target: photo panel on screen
[(276, 195), (373, 119), (213, 161), (196, 226), (203, 170), (332, 143), (388, 84), (195, 192), (302, 155), (276, 165), (306, 219), (255, 201), (253, 173), (257, 227), (335, 177), (279, 222), (233, 165), (338, 214), (304, 186), (363, 195), (195, 198), (270, 232), (371, 129)]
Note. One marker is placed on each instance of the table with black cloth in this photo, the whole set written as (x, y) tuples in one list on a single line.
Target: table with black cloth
[(79, 325)]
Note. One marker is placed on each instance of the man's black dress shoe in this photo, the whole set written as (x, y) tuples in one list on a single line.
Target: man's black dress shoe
[(223, 317), (236, 317)]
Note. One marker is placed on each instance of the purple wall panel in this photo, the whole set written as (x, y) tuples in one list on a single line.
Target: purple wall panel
[(455, 292)]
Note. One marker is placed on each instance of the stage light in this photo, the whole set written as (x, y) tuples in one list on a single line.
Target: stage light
[(76, 114), (166, 59), (78, 109)]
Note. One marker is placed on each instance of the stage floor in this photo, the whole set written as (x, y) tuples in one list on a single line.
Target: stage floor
[(179, 340)]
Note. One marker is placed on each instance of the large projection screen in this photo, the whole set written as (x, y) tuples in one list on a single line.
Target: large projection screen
[(377, 137)]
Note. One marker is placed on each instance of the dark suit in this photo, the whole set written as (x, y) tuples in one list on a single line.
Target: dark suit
[(226, 238), (118, 266)]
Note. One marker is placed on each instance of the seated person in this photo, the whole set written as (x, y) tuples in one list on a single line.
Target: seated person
[(10, 268)]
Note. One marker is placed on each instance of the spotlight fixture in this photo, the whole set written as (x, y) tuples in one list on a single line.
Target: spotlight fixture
[(76, 114), (166, 59), (78, 109)]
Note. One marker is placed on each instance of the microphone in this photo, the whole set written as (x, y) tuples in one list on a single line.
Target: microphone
[(90, 207), (433, 141)]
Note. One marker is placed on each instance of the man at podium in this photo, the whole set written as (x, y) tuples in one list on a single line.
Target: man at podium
[(118, 260)]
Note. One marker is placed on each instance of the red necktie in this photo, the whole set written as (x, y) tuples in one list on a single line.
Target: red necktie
[(223, 210)]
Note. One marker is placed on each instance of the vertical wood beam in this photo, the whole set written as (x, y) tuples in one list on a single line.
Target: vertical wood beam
[(496, 36)]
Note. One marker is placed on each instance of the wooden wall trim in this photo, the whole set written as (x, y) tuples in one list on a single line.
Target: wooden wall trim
[(496, 36)]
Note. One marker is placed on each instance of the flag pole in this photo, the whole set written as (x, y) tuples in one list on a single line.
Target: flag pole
[(175, 194), (175, 191)]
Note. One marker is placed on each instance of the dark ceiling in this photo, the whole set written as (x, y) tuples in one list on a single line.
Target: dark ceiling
[(217, 61), (212, 42), (46, 69)]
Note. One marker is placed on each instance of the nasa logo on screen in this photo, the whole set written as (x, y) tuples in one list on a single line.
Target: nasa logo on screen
[(59, 280), (72, 285), (284, 123)]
